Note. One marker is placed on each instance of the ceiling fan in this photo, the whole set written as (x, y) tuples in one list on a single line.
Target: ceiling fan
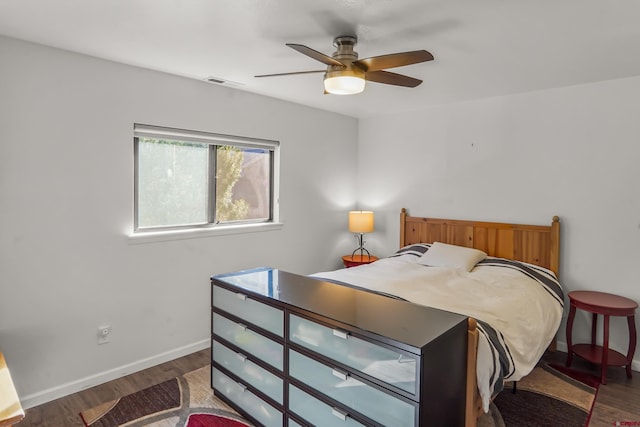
[(346, 74)]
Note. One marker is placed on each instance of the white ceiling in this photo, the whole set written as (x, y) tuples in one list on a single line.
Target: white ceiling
[(482, 48)]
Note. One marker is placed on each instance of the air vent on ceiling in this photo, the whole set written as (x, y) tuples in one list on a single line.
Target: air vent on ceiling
[(219, 81), (211, 79)]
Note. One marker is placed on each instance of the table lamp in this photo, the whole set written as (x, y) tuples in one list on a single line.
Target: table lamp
[(360, 222)]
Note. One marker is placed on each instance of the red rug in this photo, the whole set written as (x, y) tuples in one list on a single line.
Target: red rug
[(185, 401), (208, 420), (584, 377)]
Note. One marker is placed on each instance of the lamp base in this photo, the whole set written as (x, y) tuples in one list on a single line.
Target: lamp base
[(362, 250), (361, 247)]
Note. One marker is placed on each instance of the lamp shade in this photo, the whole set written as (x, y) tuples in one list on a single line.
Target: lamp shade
[(360, 221)]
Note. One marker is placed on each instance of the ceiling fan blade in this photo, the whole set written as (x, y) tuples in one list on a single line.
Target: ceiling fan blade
[(291, 74), (318, 56), (392, 79), (393, 60)]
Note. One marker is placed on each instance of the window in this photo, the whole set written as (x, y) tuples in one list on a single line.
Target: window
[(188, 179)]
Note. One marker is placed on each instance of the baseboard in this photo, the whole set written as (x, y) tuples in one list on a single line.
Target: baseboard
[(53, 393), (561, 346), (635, 364)]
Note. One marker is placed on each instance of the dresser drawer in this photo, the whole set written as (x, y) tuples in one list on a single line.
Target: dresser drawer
[(262, 315), (249, 372), (249, 341), (387, 365), (250, 403), (317, 412), (357, 395)]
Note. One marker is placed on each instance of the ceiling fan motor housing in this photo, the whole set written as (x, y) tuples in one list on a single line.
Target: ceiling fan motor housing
[(346, 55)]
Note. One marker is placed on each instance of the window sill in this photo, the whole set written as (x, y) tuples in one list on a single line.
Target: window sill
[(197, 233)]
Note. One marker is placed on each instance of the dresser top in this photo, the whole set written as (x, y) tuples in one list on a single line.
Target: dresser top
[(399, 320)]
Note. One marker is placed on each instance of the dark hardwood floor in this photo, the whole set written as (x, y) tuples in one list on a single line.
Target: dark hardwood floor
[(64, 412), (618, 401)]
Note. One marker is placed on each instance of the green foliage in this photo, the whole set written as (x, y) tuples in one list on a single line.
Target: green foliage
[(229, 170)]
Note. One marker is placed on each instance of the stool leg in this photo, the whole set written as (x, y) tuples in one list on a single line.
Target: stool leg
[(605, 350), (572, 314), (631, 321)]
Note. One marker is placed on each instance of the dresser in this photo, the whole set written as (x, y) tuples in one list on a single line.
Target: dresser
[(290, 350)]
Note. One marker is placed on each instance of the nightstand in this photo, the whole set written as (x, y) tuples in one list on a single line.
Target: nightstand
[(355, 260), (606, 305)]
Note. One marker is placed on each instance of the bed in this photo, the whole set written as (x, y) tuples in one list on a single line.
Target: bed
[(502, 276)]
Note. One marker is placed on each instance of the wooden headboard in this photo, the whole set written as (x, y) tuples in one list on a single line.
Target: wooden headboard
[(534, 244)]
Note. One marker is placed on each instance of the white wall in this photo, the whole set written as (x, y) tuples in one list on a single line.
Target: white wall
[(571, 152), (66, 188)]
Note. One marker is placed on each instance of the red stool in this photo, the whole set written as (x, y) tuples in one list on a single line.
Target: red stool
[(607, 305)]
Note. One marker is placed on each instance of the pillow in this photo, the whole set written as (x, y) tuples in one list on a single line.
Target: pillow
[(410, 253), (416, 249), (452, 256)]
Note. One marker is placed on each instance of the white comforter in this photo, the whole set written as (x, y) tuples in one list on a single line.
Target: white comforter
[(524, 312)]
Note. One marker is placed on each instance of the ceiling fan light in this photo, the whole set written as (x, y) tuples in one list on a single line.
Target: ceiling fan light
[(344, 85)]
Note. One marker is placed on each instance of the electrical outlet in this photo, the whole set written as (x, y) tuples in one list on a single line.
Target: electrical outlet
[(103, 334)]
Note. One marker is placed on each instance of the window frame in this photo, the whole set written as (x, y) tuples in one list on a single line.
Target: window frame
[(213, 140)]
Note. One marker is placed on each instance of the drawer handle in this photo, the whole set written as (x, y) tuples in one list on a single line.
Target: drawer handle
[(336, 412), (243, 297), (341, 334), (405, 360), (242, 357), (243, 387), (342, 375), (242, 326)]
